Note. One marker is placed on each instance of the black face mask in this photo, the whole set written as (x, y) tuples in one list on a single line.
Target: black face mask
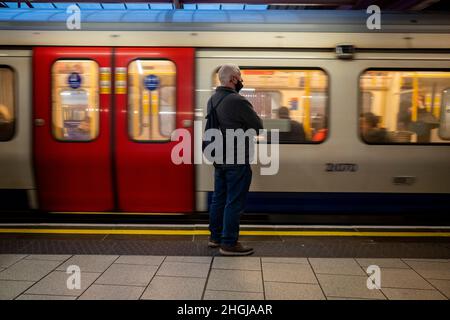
[(238, 86)]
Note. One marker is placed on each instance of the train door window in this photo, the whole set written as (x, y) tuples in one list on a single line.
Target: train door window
[(151, 100), (405, 106), (7, 118), (294, 101), (75, 94)]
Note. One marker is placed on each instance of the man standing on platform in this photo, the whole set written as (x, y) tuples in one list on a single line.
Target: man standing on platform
[(233, 177)]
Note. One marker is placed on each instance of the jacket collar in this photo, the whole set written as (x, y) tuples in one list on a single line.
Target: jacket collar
[(222, 88)]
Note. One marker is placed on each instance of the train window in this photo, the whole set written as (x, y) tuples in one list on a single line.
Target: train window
[(294, 101), (7, 119), (75, 94), (404, 106), (444, 128), (151, 100)]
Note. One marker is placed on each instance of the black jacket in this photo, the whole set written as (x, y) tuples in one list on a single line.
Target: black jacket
[(234, 112)]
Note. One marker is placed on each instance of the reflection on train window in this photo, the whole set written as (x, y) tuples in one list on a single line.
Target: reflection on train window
[(294, 101), (151, 100), (75, 112), (7, 119), (403, 106)]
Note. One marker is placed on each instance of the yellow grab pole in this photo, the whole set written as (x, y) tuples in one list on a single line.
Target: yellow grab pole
[(415, 96), (307, 106)]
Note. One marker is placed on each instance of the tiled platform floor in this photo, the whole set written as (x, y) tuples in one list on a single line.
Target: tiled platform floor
[(25, 276)]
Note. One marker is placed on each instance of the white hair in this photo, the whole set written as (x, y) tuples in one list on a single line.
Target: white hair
[(226, 72)]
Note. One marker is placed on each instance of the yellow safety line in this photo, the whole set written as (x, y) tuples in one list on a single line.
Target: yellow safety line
[(243, 232)]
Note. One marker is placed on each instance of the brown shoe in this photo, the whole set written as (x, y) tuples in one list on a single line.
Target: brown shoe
[(237, 250), (213, 244)]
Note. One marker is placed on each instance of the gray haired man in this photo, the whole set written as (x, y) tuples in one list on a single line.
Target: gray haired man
[(233, 177)]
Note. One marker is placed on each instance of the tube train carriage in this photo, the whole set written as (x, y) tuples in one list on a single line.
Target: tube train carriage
[(86, 115)]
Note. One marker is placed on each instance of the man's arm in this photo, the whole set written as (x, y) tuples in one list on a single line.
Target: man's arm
[(249, 117)]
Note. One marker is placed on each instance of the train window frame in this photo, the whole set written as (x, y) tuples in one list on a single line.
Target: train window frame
[(130, 138), (442, 112), (14, 102), (360, 107), (99, 121), (296, 68)]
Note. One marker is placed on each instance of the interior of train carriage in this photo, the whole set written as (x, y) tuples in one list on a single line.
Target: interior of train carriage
[(75, 102), (75, 88), (294, 101), (404, 106), (395, 106), (151, 112)]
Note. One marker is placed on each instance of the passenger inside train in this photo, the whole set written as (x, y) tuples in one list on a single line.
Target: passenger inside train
[(425, 123), (294, 101), (296, 133), (370, 130), (407, 104)]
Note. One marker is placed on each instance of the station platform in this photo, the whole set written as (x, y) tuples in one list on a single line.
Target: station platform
[(161, 262)]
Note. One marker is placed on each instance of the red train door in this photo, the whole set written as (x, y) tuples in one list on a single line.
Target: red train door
[(154, 96), (72, 139)]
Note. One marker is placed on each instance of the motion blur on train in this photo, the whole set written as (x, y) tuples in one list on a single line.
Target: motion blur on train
[(364, 117)]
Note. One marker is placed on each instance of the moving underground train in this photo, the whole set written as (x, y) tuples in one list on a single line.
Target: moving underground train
[(86, 115)]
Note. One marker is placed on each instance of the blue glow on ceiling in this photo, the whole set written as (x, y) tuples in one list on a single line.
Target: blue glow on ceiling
[(138, 12), (207, 6), (256, 7), (161, 6), (135, 6), (62, 5), (89, 6), (42, 5), (233, 7), (113, 6), (14, 5)]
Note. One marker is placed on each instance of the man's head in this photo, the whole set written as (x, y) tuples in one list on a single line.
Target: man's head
[(368, 121), (283, 113), (230, 76)]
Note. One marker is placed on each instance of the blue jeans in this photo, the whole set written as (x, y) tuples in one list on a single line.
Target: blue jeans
[(231, 184)]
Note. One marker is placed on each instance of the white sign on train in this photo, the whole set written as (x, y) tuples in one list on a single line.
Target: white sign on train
[(267, 155)]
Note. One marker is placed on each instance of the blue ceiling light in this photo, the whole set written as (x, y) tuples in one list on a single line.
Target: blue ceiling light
[(15, 5), (63, 5), (89, 6), (208, 6), (41, 5), (256, 7), (189, 6), (113, 6), (137, 6), (161, 6), (235, 6)]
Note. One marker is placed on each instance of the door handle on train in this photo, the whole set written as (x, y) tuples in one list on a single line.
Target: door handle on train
[(39, 122)]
